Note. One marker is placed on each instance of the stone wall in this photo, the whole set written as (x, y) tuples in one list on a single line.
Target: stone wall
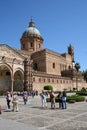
[(58, 82)]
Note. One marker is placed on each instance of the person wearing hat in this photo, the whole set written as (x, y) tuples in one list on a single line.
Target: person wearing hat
[(15, 102)]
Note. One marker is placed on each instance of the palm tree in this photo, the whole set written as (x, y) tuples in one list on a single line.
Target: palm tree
[(77, 66)]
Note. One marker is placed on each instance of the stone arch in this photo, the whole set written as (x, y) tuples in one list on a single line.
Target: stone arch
[(18, 80), (8, 76), (5, 77)]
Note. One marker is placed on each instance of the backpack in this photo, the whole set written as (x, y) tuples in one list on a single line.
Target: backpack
[(8, 97), (51, 95)]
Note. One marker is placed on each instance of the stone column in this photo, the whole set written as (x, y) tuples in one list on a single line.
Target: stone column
[(28, 82)]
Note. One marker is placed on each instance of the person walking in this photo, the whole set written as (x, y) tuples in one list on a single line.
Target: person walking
[(25, 98), (8, 98), (52, 98)]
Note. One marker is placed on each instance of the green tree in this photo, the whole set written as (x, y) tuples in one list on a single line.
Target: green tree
[(77, 66), (48, 87)]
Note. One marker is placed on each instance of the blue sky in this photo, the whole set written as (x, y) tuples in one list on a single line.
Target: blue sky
[(60, 23)]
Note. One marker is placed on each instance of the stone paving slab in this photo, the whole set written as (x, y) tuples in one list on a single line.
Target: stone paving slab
[(71, 125), (32, 116), (12, 125)]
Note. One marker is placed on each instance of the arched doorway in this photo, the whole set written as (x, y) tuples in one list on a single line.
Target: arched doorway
[(18, 81), (8, 76), (5, 77)]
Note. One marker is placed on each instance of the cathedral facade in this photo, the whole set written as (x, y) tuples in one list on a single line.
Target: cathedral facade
[(32, 67)]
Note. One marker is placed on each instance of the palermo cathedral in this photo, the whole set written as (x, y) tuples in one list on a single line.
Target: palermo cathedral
[(32, 67)]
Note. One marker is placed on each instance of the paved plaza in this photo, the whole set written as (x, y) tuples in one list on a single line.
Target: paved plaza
[(33, 117)]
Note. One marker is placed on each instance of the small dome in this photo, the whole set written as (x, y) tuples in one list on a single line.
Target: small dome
[(31, 29)]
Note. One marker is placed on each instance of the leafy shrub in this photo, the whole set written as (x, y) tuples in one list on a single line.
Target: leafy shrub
[(48, 87), (83, 89), (82, 92), (70, 99), (56, 92), (75, 98)]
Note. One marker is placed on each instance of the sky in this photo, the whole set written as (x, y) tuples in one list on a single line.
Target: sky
[(60, 22)]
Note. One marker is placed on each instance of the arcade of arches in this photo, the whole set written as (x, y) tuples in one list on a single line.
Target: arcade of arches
[(9, 75)]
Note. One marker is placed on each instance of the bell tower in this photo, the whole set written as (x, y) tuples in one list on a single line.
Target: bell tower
[(31, 39), (71, 51)]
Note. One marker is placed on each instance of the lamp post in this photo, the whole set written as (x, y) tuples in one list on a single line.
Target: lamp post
[(12, 75)]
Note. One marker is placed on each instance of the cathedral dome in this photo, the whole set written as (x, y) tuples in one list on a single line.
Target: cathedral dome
[(31, 30)]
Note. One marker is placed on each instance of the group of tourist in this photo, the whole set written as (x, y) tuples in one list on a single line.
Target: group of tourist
[(14, 99), (61, 99)]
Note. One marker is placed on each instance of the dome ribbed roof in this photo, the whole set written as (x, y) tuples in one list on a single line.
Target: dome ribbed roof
[(31, 29)]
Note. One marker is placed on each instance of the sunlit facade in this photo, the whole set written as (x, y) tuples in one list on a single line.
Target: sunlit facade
[(32, 67)]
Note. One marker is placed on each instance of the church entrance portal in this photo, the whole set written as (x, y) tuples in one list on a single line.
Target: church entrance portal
[(6, 79)]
